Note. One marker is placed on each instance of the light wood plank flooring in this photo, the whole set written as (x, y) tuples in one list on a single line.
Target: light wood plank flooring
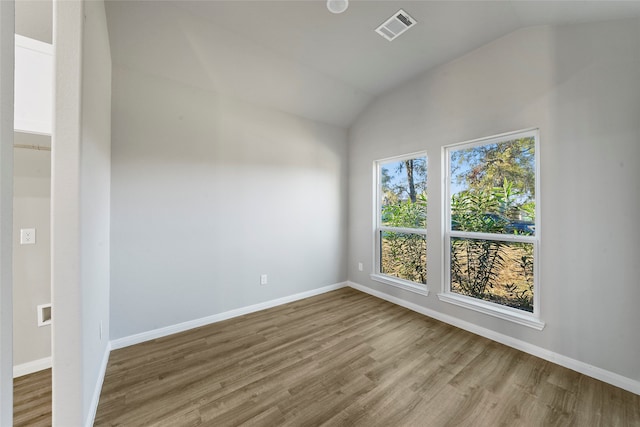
[(347, 359), (32, 400)]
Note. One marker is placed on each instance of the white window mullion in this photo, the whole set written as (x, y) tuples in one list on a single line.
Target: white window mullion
[(404, 230), (492, 236)]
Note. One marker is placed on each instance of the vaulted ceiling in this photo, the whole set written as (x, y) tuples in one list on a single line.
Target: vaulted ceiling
[(298, 57)]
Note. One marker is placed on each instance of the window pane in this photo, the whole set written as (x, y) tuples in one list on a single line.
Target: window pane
[(500, 272), (403, 197), (404, 255), (493, 187)]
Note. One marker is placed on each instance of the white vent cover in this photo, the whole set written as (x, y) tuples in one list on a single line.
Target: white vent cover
[(396, 25)]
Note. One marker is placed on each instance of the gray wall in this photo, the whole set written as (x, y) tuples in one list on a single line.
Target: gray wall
[(7, 13), (578, 84), (207, 194), (32, 187), (31, 263), (34, 19)]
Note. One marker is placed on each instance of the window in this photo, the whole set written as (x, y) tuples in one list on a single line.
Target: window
[(492, 231), (401, 215)]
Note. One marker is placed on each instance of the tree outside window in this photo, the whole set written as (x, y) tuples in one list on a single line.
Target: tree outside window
[(401, 219), (491, 232)]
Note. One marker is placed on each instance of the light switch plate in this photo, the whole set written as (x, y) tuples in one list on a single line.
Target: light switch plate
[(27, 236)]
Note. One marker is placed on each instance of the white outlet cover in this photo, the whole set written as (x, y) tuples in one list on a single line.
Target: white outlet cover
[(27, 236)]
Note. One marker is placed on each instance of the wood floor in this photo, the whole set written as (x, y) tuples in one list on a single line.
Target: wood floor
[(32, 400), (347, 359)]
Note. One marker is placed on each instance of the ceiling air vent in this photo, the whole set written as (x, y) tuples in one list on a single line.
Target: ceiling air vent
[(396, 25)]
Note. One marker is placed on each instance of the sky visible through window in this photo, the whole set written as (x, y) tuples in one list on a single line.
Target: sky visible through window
[(506, 167), (395, 179)]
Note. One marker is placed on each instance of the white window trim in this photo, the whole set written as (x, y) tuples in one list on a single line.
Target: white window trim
[(400, 283), (514, 315), (377, 276), (492, 309)]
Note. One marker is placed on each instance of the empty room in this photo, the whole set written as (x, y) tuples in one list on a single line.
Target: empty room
[(340, 213)]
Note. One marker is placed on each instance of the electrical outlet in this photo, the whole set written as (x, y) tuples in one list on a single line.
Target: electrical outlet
[(27, 236), (263, 279), (44, 314), (360, 268)]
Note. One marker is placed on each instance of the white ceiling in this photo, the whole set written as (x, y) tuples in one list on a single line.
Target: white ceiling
[(298, 57)]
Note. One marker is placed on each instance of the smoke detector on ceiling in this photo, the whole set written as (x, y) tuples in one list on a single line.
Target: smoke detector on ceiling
[(337, 6), (396, 25)]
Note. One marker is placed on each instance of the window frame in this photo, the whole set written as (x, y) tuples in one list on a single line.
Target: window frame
[(378, 228), (493, 309)]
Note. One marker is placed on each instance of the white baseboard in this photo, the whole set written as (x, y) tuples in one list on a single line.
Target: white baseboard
[(584, 368), (196, 323), (93, 408), (31, 367)]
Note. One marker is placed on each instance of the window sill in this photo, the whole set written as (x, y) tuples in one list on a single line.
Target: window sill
[(402, 284), (494, 310)]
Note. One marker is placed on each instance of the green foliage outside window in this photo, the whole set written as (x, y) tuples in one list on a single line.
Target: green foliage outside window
[(491, 270), (493, 188), (403, 205), (404, 255), (406, 213)]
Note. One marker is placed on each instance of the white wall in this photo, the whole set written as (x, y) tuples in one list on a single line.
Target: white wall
[(80, 208), (6, 210), (31, 263), (95, 198), (33, 86), (66, 290), (207, 194), (578, 84)]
